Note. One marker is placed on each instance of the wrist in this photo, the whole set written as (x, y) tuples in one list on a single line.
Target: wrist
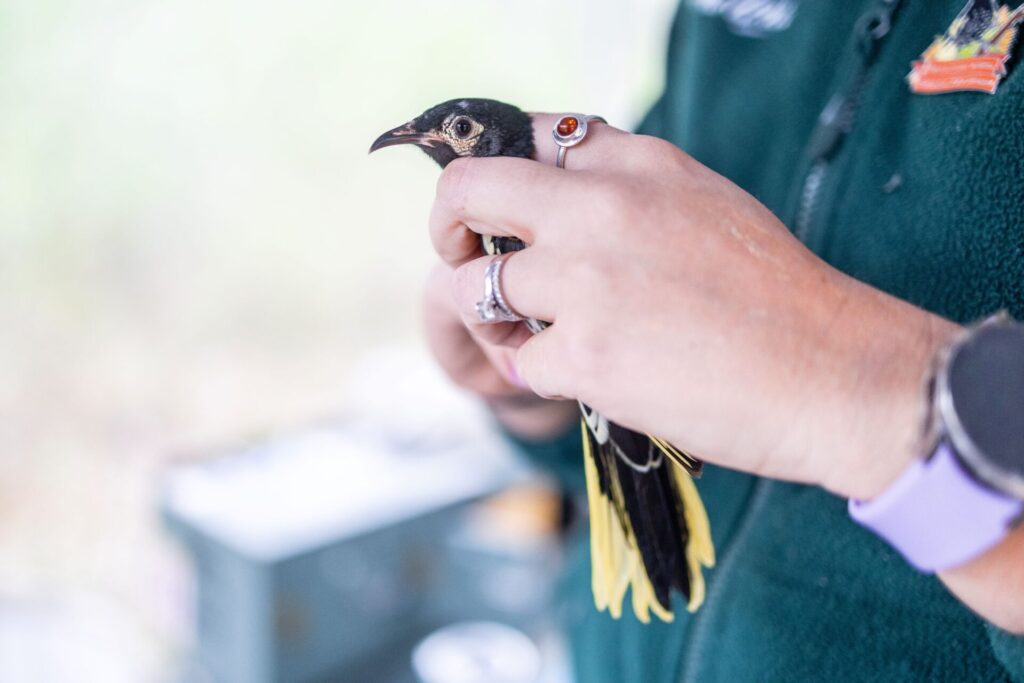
[(892, 354), (963, 498)]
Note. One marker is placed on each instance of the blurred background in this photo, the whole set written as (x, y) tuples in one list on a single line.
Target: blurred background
[(200, 265)]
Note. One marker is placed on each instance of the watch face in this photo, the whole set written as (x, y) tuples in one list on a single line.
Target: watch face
[(984, 414)]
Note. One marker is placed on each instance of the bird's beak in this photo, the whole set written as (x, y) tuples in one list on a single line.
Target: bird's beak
[(405, 134)]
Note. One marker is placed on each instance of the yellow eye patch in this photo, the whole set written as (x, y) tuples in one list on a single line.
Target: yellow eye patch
[(461, 133)]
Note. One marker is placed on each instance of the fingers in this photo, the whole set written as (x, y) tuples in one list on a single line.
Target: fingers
[(540, 364), (454, 241), (529, 282), (487, 371), (515, 197), (536, 361), (479, 368), (495, 196), (596, 151), (493, 339)]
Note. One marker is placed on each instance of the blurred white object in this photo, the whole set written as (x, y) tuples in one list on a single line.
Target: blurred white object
[(317, 550), (475, 651), (73, 637), (412, 443), (279, 498)]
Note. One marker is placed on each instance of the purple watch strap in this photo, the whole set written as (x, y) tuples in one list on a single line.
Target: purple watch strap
[(937, 515)]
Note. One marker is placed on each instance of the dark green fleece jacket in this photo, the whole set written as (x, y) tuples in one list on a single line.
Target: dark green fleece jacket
[(923, 198)]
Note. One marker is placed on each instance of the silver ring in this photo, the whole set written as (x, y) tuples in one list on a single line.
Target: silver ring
[(569, 131), (493, 308)]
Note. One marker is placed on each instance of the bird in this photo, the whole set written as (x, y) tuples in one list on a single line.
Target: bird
[(649, 530)]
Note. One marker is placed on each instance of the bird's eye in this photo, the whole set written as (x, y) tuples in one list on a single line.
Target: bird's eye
[(462, 127)]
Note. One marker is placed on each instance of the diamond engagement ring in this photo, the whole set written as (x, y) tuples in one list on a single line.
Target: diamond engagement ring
[(569, 132), (493, 308)]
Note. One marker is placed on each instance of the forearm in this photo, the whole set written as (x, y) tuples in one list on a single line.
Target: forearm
[(993, 584), (885, 436), (879, 356)]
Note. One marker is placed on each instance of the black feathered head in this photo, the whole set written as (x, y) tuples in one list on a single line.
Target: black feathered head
[(464, 128)]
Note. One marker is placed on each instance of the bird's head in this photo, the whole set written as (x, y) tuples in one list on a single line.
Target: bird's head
[(463, 128)]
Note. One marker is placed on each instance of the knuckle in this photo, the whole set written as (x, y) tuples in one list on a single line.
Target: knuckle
[(496, 334), (438, 284), (462, 284), (650, 148), (533, 174), (534, 363), (437, 228), (580, 343), (650, 144), (613, 201), (586, 350), (453, 184), (654, 146), (590, 277)]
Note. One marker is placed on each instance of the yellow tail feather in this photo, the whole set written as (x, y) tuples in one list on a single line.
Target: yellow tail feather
[(700, 550), (616, 563)]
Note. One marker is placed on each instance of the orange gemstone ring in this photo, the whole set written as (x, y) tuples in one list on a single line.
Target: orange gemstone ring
[(569, 132)]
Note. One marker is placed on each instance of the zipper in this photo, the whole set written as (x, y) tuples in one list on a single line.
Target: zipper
[(834, 124), (837, 118)]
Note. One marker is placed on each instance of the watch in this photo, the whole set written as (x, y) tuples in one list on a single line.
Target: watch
[(968, 494)]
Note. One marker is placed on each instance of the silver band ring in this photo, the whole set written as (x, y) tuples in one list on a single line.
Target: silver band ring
[(569, 131), (493, 308)]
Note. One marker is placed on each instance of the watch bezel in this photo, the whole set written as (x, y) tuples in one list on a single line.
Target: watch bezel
[(950, 427)]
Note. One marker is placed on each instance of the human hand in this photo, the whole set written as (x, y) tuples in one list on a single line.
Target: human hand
[(486, 369), (682, 307)]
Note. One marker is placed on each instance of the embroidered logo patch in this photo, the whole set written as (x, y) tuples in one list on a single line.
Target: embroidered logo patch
[(750, 18), (971, 55)]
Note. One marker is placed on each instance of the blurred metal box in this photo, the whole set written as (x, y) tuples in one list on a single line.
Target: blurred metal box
[(317, 551)]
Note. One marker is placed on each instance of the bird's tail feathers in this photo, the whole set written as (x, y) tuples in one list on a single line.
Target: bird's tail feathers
[(668, 508)]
